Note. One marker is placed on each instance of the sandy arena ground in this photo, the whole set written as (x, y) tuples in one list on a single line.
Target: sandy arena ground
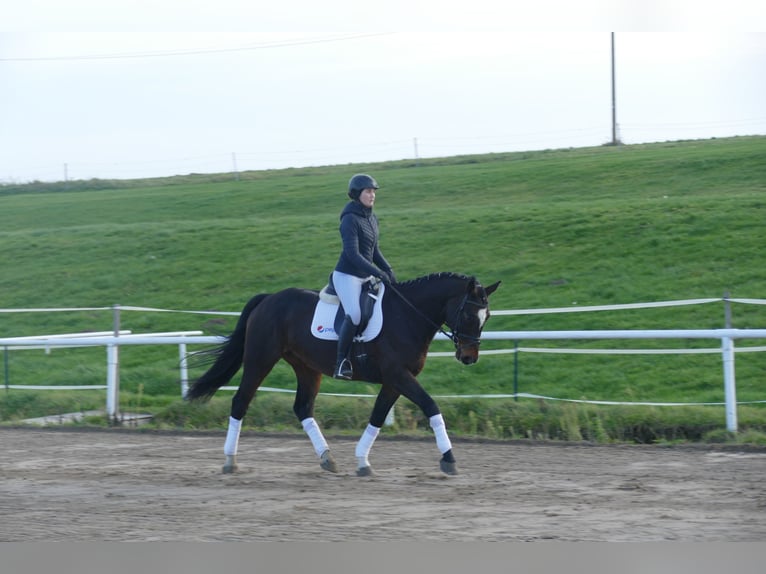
[(65, 485)]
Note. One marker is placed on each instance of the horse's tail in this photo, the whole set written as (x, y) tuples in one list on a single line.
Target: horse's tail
[(227, 358)]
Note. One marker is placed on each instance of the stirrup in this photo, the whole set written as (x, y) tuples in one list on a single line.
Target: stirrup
[(343, 370)]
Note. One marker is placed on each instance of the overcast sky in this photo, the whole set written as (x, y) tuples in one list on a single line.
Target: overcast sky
[(84, 94)]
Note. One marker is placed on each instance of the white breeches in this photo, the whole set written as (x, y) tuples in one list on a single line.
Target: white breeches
[(349, 289)]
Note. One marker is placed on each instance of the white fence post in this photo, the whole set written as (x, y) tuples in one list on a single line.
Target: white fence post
[(113, 371), (112, 388), (729, 385), (184, 370)]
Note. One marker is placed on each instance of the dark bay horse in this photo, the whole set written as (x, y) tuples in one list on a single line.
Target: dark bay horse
[(277, 326)]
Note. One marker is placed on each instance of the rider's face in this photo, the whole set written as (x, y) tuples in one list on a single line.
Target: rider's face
[(367, 197)]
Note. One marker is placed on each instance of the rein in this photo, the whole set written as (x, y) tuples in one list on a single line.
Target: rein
[(455, 336)]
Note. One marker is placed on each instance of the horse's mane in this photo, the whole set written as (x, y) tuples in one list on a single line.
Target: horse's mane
[(433, 276)]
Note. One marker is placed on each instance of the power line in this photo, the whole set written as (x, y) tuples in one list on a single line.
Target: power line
[(197, 51)]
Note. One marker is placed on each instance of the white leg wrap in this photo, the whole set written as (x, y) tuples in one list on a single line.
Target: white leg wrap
[(440, 430), (232, 437), (364, 445), (317, 438)]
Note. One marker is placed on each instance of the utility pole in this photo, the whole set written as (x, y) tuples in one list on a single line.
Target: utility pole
[(614, 100), (234, 165)]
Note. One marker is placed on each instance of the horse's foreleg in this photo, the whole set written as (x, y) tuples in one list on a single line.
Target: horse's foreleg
[(383, 403), (443, 443), (363, 448), (410, 388)]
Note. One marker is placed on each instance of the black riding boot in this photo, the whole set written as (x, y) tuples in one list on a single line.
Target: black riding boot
[(343, 368)]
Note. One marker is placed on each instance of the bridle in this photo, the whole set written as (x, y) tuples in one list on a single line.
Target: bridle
[(456, 336)]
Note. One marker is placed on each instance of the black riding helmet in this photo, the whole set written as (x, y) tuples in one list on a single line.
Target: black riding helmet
[(360, 182)]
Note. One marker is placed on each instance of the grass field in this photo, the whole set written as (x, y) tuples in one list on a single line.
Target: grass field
[(560, 228)]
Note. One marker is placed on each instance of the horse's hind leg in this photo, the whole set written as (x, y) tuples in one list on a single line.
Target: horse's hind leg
[(231, 446), (303, 407), (252, 376)]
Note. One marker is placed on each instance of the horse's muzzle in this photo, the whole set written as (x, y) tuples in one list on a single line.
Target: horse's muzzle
[(467, 356)]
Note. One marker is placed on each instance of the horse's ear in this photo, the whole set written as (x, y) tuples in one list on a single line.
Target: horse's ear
[(491, 288)]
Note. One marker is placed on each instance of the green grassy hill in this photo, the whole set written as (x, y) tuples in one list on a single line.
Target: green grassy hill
[(560, 228)]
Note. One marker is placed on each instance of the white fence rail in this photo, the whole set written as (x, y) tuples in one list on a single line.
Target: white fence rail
[(113, 341), (112, 344)]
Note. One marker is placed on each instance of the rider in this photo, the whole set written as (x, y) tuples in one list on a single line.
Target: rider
[(359, 259)]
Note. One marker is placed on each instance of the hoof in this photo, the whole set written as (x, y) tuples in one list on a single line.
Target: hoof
[(448, 467), (230, 465), (327, 462), (364, 471)]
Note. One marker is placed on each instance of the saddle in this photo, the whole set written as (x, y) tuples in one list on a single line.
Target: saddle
[(329, 311)]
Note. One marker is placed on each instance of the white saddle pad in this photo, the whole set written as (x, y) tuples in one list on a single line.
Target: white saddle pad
[(322, 325)]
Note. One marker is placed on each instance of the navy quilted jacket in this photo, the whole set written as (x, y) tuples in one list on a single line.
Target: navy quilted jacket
[(359, 233)]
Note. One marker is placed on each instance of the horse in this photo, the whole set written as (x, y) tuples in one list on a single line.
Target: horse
[(277, 326)]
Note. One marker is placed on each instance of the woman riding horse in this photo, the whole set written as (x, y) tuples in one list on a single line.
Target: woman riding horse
[(360, 258), (277, 326)]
